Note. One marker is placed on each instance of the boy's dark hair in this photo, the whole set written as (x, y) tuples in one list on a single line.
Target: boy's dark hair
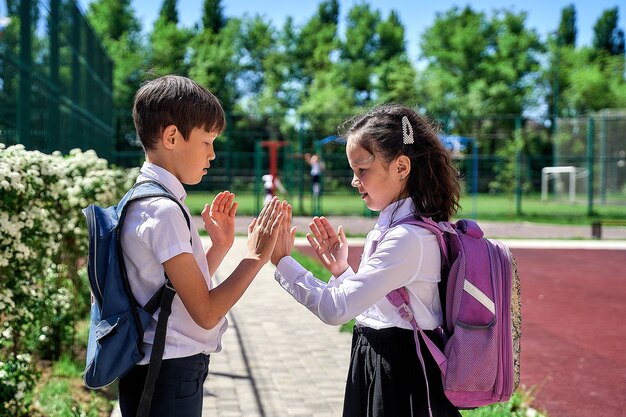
[(433, 183), (175, 100)]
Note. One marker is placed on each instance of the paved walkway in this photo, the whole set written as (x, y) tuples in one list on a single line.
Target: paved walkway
[(279, 360)]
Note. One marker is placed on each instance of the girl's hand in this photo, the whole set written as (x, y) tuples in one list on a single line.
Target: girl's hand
[(286, 235), (331, 247), (263, 231), (219, 219)]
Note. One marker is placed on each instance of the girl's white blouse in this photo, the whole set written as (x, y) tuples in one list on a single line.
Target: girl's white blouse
[(407, 256)]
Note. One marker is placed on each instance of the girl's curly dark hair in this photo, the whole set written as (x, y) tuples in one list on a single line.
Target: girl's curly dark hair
[(433, 183)]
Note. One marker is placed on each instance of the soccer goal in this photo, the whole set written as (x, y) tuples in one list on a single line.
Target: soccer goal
[(565, 180)]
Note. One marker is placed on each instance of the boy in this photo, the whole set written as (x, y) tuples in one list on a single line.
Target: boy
[(177, 121)]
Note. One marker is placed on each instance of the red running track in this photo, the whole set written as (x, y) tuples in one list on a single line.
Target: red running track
[(573, 331)]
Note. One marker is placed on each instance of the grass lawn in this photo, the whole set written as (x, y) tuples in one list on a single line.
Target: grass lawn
[(487, 207), (60, 391)]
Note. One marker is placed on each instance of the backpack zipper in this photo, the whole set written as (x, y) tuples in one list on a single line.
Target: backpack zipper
[(93, 224)]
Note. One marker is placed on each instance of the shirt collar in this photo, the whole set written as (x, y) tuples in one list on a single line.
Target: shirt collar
[(394, 212), (164, 177)]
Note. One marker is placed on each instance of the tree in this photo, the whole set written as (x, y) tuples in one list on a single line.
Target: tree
[(454, 47), (606, 33), (318, 41), (592, 82), (566, 33), (213, 61), (213, 16), (168, 11), (358, 55), (395, 74), (480, 67), (168, 42), (118, 28), (328, 103)]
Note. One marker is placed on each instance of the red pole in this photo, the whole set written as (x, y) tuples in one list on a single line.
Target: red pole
[(272, 146)]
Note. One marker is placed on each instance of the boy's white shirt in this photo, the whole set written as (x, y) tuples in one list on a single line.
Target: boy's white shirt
[(407, 256), (154, 231)]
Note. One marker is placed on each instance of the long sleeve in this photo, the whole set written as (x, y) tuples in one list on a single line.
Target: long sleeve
[(397, 261)]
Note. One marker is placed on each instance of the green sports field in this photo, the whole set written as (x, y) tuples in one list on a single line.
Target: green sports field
[(485, 207)]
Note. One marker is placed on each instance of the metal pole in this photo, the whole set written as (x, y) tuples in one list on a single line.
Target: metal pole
[(474, 178), (555, 103), (300, 169), (23, 109), (54, 117), (590, 144), (518, 165), (258, 161), (603, 156)]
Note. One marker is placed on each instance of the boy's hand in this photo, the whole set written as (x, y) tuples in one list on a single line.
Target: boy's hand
[(263, 231), (286, 235), (219, 219), (331, 247)]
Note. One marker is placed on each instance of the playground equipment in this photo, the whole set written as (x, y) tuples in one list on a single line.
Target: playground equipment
[(272, 147)]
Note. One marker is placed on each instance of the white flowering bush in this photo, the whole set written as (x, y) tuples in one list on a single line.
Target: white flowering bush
[(43, 243), (17, 380)]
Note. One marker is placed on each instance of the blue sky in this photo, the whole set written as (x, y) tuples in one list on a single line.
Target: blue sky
[(416, 15)]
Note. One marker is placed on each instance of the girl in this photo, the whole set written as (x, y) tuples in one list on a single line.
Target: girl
[(400, 169)]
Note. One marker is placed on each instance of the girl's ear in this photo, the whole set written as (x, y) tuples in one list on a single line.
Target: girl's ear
[(403, 164), (168, 137)]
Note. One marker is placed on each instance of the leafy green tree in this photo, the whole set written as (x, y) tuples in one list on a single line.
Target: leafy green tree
[(396, 81), (592, 82), (566, 33), (169, 11), (260, 80), (606, 33), (213, 16), (454, 47), (358, 55), (213, 61), (318, 41), (168, 42), (118, 28), (328, 103), (395, 74), (477, 67)]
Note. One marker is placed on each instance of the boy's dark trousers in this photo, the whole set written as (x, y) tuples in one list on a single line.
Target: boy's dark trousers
[(178, 391)]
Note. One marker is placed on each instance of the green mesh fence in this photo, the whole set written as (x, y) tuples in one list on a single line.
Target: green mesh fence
[(55, 79)]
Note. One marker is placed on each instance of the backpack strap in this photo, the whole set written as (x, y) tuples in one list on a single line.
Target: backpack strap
[(156, 356), (162, 298), (400, 296)]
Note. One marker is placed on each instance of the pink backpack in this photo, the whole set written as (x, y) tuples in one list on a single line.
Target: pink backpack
[(480, 361)]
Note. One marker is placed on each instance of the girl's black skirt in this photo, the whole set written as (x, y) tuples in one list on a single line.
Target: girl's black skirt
[(385, 378)]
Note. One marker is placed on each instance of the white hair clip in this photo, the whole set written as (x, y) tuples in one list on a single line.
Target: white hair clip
[(407, 131)]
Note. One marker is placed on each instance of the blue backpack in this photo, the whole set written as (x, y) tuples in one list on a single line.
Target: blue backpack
[(117, 321)]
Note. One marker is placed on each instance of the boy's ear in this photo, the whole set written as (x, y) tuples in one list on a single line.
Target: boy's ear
[(168, 138)]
